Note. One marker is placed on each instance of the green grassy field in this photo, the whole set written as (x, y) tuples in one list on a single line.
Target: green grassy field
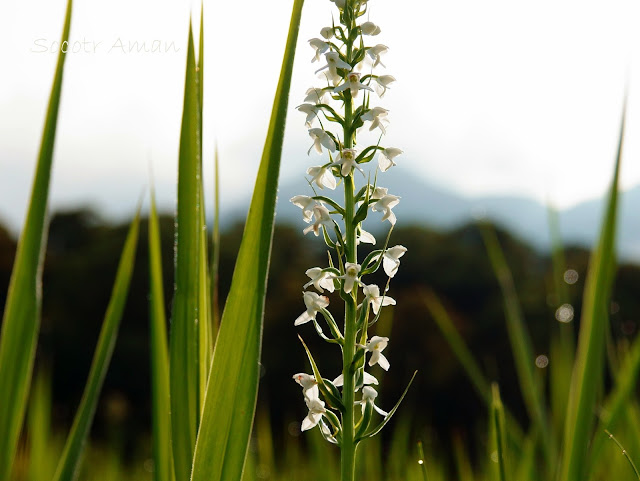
[(582, 412)]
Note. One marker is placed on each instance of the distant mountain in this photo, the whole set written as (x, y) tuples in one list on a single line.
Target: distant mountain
[(526, 218)]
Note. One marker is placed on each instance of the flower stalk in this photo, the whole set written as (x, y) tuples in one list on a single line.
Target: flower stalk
[(344, 409)]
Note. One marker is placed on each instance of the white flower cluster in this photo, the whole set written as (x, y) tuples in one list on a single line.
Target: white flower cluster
[(345, 104)]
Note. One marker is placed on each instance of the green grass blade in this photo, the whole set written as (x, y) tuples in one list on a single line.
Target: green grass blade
[(422, 462), (562, 347), (160, 407), (624, 453), (527, 462), (462, 461), (499, 432), (558, 262), (200, 71), (589, 364), (521, 346), (215, 254), (465, 357), (21, 319), (458, 346), (614, 405), (233, 383), (183, 344), (70, 460), (39, 427), (205, 342)]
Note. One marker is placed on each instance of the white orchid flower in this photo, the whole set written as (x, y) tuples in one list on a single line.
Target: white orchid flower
[(316, 95), (322, 218), (310, 110), (366, 379), (321, 138), (372, 296), (383, 82), (314, 303), (334, 62), (377, 118), (391, 259), (316, 410), (319, 46), (327, 32), (309, 385), (340, 3), (375, 52), (370, 28), (350, 276), (352, 83), (385, 159), (306, 203), (369, 395), (320, 280), (347, 159), (375, 346), (385, 204), (322, 176)]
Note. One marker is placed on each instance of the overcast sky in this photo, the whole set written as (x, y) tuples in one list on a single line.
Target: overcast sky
[(492, 97)]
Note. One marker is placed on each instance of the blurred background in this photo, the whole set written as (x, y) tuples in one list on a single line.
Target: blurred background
[(500, 109)]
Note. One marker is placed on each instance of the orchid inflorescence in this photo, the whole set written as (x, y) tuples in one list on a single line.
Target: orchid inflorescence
[(351, 86)]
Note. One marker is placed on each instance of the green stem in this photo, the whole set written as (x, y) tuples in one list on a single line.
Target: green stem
[(348, 452)]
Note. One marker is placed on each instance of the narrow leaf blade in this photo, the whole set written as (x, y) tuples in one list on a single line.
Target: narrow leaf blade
[(160, 408), (589, 362), (72, 454), (388, 417), (521, 345), (183, 344), (21, 320), (233, 382)]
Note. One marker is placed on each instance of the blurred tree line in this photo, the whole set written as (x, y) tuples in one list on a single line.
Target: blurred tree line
[(80, 265)]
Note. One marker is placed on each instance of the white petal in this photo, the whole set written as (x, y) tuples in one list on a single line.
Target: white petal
[(303, 318), (388, 301), (342, 87), (327, 32), (396, 251), (380, 411), (327, 284), (368, 379), (312, 392), (392, 152), (348, 284), (384, 163), (375, 357), (379, 193), (310, 228), (390, 216), (369, 393), (339, 381), (308, 423), (328, 180), (390, 266), (301, 201), (383, 362), (305, 380), (328, 142), (366, 237)]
